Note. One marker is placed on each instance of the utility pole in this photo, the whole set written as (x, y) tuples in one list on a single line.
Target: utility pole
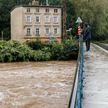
[(64, 20)]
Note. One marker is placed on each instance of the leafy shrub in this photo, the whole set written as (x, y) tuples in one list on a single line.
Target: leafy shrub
[(70, 50), (18, 51), (57, 50), (2, 41), (38, 44), (66, 51), (35, 45)]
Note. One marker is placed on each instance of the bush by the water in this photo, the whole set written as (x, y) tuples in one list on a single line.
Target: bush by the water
[(66, 51), (37, 51), (18, 51), (2, 41)]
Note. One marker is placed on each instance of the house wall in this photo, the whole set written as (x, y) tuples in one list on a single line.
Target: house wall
[(16, 24), (19, 25)]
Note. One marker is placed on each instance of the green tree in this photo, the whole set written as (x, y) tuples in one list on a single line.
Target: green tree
[(93, 12)]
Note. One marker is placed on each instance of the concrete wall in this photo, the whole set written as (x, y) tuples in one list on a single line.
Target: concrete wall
[(16, 24)]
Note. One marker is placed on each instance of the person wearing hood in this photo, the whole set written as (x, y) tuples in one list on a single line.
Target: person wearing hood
[(87, 36)]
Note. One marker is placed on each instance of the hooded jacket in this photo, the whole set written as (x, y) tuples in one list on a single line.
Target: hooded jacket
[(87, 33)]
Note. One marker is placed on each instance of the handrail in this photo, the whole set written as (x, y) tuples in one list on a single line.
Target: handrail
[(76, 94)]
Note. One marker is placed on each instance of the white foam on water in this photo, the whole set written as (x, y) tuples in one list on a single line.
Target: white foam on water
[(17, 103), (38, 85), (56, 95), (64, 93), (61, 84), (42, 96), (34, 95), (46, 93), (1, 96), (9, 92), (21, 87)]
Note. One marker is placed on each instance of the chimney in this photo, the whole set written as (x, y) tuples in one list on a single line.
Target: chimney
[(47, 2), (35, 3)]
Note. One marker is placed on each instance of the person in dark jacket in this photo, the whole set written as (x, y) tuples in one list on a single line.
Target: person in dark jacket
[(87, 36)]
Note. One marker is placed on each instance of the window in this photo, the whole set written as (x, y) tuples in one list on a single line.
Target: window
[(28, 31), (47, 19), (37, 31), (37, 19), (37, 9), (46, 10), (55, 10), (55, 31), (47, 31), (28, 9), (55, 19), (28, 19)]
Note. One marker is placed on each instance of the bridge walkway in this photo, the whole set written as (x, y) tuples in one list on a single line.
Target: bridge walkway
[(95, 82)]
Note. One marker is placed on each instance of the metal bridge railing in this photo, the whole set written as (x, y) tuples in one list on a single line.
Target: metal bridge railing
[(76, 95)]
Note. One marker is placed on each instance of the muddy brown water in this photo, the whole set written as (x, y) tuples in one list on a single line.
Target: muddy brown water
[(36, 84)]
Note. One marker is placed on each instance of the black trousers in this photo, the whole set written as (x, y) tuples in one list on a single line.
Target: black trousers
[(87, 44)]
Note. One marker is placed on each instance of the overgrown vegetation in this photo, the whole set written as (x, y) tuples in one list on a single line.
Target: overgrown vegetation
[(66, 51), (18, 51), (95, 12), (37, 51)]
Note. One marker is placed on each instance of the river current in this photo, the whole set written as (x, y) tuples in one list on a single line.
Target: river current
[(36, 84)]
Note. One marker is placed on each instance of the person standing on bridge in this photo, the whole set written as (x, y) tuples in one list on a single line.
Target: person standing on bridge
[(87, 36)]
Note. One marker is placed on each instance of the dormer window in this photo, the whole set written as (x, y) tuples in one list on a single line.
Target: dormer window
[(46, 10), (28, 9)]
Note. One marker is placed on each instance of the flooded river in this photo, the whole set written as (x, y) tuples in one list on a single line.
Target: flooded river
[(36, 84)]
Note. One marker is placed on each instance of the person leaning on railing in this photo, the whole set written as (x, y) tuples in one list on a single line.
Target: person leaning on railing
[(87, 36)]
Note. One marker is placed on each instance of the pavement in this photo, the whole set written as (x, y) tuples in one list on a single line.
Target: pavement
[(95, 82)]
